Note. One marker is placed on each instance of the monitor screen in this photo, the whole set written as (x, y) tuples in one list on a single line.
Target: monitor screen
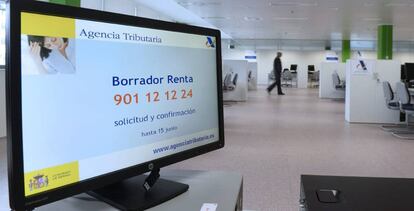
[(311, 67), (409, 71), (403, 73), (293, 67), (99, 97)]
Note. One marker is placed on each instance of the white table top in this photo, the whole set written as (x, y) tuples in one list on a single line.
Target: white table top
[(205, 187)]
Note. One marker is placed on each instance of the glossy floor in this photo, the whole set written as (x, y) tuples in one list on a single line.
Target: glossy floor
[(272, 140)]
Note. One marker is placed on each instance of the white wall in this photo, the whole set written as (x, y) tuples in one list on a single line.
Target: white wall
[(232, 54), (402, 57), (265, 62), (2, 104), (301, 58)]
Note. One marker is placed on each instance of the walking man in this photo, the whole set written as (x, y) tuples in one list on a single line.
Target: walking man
[(277, 68)]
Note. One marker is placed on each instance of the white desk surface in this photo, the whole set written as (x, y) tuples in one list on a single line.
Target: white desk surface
[(205, 187)]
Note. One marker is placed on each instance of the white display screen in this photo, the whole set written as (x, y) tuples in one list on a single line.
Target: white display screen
[(100, 97)]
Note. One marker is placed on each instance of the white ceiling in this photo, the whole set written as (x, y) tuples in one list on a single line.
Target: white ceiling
[(306, 19)]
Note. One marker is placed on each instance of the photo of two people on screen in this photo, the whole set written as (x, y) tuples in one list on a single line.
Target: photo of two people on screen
[(48, 55)]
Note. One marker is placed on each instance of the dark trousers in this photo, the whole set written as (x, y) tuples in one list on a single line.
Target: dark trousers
[(276, 83)]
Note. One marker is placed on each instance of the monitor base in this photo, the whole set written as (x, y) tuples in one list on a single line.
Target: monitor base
[(129, 195)]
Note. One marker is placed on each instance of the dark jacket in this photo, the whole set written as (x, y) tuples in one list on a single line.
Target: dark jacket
[(277, 66)]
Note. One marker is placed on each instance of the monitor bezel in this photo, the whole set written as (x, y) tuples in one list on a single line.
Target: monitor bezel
[(311, 67), (17, 198)]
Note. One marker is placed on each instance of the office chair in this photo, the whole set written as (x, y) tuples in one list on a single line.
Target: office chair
[(271, 77), (337, 83), (249, 76), (286, 77), (392, 104), (315, 78), (227, 82), (294, 71), (234, 84), (406, 107)]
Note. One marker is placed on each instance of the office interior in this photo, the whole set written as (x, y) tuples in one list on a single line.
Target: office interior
[(322, 126)]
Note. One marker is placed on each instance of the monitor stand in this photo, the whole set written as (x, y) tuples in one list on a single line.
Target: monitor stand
[(133, 195)]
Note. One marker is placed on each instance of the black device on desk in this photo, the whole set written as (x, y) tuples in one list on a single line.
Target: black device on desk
[(403, 73), (335, 193), (294, 68), (133, 96), (311, 69), (409, 71)]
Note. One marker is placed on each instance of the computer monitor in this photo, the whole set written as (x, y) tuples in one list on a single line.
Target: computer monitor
[(403, 73), (96, 98), (293, 67), (409, 69), (311, 67)]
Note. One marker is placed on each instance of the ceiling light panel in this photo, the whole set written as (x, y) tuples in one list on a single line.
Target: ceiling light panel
[(250, 18), (396, 4), (293, 4), (216, 18), (290, 18), (374, 19), (198, 3)]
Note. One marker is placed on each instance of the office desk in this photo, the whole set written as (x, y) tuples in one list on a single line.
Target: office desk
[(358, 193), (223, 188)]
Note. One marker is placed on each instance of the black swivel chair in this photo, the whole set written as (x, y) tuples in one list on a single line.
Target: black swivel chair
[(404, 99), (294, 71), (392, 104), (227, 82), (249, 76), (337, 83), (235, 78), (286, 78)]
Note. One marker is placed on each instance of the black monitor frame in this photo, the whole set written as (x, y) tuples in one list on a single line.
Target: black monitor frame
[(409, 71), (403, 73), (311, 67), (18, 201), (293, 67)]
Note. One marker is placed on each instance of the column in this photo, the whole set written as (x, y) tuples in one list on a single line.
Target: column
[(385, 39), (75, 3), (346, 50)]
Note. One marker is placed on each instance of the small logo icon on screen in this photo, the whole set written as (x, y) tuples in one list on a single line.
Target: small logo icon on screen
[(38, 182), (211, 42)]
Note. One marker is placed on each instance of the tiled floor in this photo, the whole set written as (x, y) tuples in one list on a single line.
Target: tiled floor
[(272, 140), (3, 176)]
